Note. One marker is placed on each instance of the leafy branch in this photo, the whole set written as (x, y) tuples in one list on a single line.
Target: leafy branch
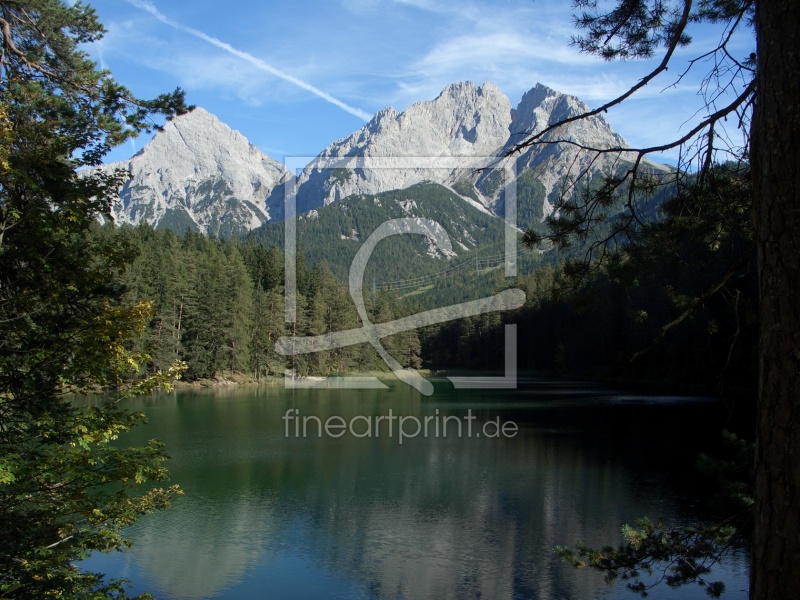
[(672, 555)]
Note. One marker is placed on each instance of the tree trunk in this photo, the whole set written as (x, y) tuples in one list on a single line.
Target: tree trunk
[(776, 135), (178, 337)]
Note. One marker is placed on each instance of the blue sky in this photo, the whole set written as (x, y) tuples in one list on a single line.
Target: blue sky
[(294, 76)]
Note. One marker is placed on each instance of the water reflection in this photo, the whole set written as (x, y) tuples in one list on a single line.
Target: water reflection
[(265, 515)]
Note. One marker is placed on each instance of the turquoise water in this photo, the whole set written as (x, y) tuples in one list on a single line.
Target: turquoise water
[(271, 514)]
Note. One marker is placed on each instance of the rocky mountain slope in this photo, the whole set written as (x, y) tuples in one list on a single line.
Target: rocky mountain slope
[(463, 123), (334, 233), (198, 173), (448, 139), (557, 165)]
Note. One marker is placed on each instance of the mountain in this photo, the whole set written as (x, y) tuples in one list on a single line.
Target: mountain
[(448, 140), (463, 122), (407, 265), (198, 173), (556, 165), (334, 233)]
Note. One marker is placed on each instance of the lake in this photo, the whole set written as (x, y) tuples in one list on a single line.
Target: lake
[(269, 513)]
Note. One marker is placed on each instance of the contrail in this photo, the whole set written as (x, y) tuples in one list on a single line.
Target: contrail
[(149, 7)]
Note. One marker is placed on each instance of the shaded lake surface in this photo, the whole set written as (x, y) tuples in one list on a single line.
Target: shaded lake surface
[(266, 515)]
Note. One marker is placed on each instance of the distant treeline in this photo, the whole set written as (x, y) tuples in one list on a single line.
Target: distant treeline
[(677, 304), (220, 307), (608, 331)]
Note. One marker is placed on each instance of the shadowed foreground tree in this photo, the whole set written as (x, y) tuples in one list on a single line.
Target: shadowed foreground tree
[(755, 97), (65, 490)]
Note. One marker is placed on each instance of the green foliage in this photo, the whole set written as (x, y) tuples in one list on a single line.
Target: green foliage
[(268, 325), (219, 308), (630, 30), (341, 176), (402, 265), (82, 112), (679, 555), (591, 218), (530, 201), (490, 183), (465, 188), (686, 277), (65, 489), (694, 268), (672, 555), (333, 233)]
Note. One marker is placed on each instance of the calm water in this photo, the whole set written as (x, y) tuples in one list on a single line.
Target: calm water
[(271, 516)]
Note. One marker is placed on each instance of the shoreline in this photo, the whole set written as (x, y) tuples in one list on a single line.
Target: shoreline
[(228, 379)]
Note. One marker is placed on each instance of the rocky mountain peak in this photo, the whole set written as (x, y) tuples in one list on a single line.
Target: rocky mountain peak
[(198, 140), (462, 121), (198, 173), (563, 160), (542, 106)]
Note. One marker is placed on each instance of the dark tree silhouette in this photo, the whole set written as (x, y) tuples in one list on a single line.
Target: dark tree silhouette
[(757, 96)]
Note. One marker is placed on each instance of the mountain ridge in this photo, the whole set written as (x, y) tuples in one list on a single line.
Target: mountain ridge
[(180, 180), (199, 173)]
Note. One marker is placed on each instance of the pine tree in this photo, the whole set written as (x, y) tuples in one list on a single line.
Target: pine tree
[(65, 490), (331, 310), (757, 93), (239, 309)]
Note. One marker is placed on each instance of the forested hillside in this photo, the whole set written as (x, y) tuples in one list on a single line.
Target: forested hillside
[(335, 232), (676, 305), (220, 307)]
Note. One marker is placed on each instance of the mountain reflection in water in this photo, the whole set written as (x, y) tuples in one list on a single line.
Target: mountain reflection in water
[(267, 515)]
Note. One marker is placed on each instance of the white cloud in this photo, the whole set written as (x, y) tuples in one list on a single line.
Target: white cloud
[(378, 53), (258, 63), (495, 50)]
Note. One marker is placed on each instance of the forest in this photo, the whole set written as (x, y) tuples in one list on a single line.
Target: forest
[(677, 304), (678, 300), (219, 307), (645, 316)]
